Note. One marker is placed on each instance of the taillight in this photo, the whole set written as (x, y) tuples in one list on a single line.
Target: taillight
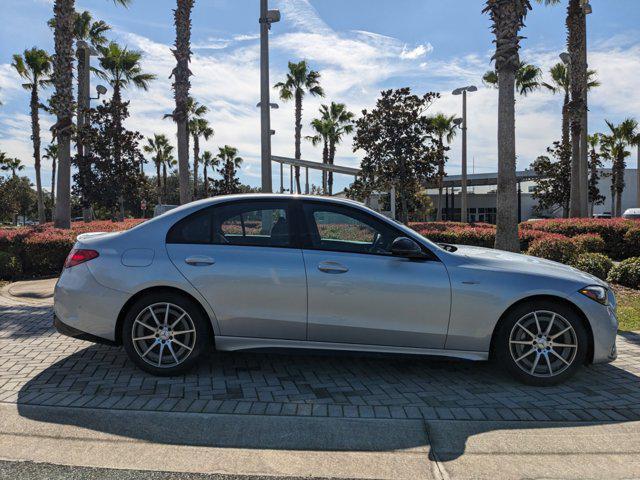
[(78, 256)]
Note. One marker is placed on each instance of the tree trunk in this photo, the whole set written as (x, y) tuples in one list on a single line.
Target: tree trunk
[(440, 177), (62, 103), (507, 196), (205, 181), (298, 137), (53, 183), (181, 86), (164, 179), (158, 184), (332, 156), (325, 160), (35, 136), (575, 45), (196, 161)]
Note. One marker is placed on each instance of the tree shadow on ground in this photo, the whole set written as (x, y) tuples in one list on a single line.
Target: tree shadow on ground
[(282, 398)]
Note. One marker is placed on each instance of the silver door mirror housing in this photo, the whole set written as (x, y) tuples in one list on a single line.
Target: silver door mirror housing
[(405, 247)]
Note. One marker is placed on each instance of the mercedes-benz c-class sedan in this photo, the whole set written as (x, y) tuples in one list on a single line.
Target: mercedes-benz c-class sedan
[(275, 271)]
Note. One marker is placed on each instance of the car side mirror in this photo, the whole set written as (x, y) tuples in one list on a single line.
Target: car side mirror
[(405, 247)]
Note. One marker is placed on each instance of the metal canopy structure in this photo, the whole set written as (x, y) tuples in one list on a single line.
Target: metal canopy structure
[(307, 164), (482, 179)]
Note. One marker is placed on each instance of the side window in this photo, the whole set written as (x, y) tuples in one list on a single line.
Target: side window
[(195, 229), (253, 224), (347, 230)]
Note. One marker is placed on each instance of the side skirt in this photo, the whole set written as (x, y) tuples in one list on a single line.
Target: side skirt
[(245, 343)]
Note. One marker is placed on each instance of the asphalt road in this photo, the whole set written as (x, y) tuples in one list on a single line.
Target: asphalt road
[(48, 471)]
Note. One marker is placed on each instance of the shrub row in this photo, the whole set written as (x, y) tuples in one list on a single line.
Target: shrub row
[(40, 251)]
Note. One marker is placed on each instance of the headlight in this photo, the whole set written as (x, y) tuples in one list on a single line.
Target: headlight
[(597, 293)]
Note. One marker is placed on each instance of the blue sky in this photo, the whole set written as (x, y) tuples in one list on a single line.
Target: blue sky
[(359, 46)]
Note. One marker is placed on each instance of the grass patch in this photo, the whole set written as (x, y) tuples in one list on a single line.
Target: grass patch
[(628, 308)]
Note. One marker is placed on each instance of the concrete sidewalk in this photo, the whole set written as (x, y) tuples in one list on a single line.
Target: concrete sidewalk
[(39, 292), (318, 447)]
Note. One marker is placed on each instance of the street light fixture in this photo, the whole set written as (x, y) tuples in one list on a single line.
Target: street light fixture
[(566, 58), (463, 125)]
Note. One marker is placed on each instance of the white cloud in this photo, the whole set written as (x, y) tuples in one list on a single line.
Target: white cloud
[(417, 52)]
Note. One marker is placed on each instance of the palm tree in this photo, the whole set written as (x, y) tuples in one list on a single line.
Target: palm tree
[(181, 86), (561, 83), (445, 129), (299, 81), (62, 102), (341, 122), (527, 78), (322, 127), (160, 148), (615, 148), (198, 127), (13, 165), (230, 162), (51, 153), (121, 68), (507, 17), (34, 65), (208, 160)]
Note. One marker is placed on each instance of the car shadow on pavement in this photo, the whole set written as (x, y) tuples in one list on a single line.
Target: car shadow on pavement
[(283, 401)]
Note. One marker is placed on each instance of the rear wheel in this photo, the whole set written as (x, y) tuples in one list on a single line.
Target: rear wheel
[(542, 343), (165, 333)]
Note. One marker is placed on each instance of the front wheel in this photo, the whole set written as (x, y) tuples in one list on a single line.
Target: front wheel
[(165, 333), (542, 343)]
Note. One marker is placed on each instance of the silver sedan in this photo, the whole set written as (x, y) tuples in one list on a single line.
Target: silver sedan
[(274, 271)]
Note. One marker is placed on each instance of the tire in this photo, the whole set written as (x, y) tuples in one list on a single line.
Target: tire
[(165, 349), (522, 338)]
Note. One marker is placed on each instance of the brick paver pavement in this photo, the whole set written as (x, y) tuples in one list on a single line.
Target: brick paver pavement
[(40, 367)]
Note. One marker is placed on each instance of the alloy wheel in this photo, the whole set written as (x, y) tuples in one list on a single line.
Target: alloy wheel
[(543, 343), (163, 335)]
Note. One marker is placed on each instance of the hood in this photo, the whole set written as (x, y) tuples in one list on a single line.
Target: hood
[(525, 264)]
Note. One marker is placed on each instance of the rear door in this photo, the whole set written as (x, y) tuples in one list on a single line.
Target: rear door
[(244, 259), (360, 293)]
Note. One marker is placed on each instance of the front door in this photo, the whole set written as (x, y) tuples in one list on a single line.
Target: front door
[(241, 257), (359, 293)]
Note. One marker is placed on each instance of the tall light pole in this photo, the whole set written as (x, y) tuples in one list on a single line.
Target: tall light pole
[(267, 17), (463, 204)]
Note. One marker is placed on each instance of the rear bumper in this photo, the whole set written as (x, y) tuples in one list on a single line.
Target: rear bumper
[(68, 331)]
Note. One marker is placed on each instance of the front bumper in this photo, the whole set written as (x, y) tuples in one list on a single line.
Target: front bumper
[(604, 326), (68, 331)]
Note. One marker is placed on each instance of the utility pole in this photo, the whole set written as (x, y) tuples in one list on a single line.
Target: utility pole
[(267, 17), (463, 204), (584, 145)]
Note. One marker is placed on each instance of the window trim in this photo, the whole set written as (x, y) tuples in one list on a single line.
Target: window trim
[(305, 234), (286, 204)]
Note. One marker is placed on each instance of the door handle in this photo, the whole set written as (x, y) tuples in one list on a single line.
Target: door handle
[(332, 267), (199, 261)]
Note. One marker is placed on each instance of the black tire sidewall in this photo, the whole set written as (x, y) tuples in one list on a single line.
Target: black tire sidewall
[(503, 354), (202, 332)]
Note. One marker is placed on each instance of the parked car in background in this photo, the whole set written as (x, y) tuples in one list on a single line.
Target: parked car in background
[(602, 215), (632, 213), (275, 271)]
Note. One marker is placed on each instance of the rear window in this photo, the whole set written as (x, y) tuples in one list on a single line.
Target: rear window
[(195, 229)]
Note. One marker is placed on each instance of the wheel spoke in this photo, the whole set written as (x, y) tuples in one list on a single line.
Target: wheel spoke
[(178, 342), (546, 357), (166, 315), (145, 325), (184, 332), (173, 353), (176, 322), (560, 357), (560, 333), (149, 349), (525, 354), (146, 337), (565, 345), (553, 317), (535, 315), (535, 363), (155, 319), (527, 331), (160, 354)]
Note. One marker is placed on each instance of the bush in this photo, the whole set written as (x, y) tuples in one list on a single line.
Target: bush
[(9, 266), (560, 250), (626, 273), (596, 264), (632, 242), (41, 250), (589, 242)]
